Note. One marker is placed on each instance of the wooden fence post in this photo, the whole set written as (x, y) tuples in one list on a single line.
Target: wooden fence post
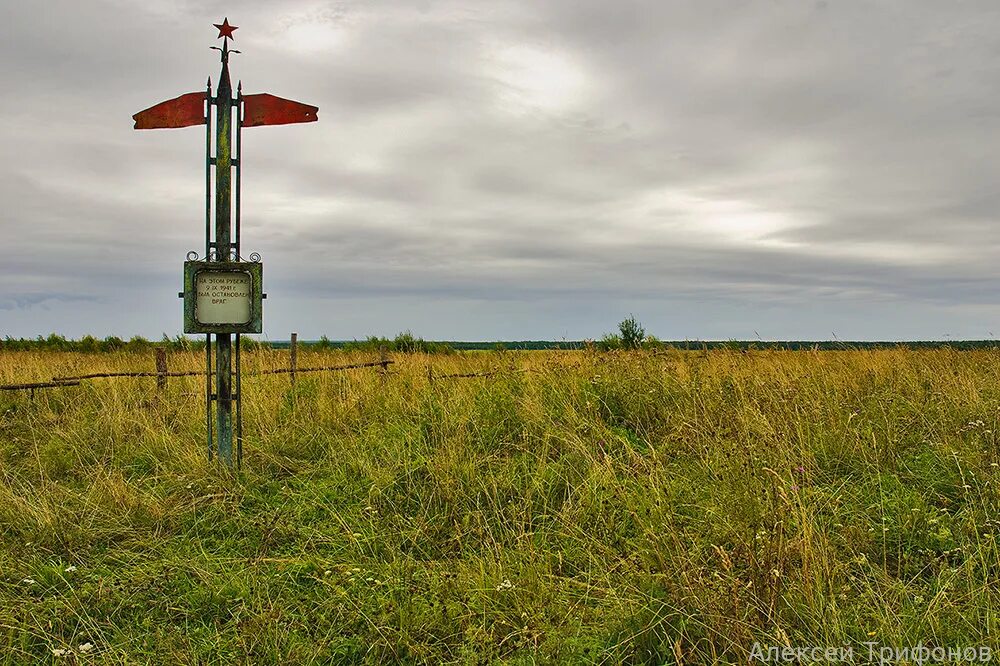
[(294, 356), (161, 368)]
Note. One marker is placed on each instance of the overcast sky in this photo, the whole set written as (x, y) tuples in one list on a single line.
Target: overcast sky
[(521, 169)]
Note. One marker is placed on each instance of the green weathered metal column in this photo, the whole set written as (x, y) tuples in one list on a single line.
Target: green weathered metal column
[(223, 254), (208, 250), (223, 210), (239, 257)]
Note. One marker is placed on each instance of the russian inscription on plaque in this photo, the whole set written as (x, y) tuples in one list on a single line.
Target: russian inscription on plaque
[(223, 297)]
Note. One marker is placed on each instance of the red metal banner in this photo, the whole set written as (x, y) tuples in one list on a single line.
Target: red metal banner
[(265, 109), (183, 111)]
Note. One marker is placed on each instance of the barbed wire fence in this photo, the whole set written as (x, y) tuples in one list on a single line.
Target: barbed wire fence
[(162, 372)]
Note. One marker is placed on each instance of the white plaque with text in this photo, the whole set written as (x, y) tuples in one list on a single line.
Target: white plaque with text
[(223, 297)]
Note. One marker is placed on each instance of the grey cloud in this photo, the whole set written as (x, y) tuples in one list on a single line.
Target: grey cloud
[(47, 301), (719, 167)]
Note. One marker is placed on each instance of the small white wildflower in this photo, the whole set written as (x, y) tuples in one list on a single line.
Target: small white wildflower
[(71, 568), (505, 585), (327, 572), (29, 581), (84, 648), (59, 652)]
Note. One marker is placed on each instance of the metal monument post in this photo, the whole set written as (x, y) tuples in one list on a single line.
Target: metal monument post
[(223, 221), (223, 293)]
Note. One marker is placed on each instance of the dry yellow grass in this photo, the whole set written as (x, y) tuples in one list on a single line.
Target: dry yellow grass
[(574, 507)]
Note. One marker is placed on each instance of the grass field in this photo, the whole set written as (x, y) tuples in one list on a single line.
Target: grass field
[(573, 508)]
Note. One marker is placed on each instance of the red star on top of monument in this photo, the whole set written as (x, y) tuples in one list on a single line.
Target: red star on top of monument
[(225, 30)]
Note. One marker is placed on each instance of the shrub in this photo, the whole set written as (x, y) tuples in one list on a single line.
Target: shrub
[(609, 342), (632, 333)]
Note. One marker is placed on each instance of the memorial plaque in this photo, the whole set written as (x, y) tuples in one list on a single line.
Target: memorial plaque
[(223, 294), (222, 297)]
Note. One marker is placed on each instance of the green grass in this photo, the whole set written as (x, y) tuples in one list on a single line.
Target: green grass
[(573, 508)]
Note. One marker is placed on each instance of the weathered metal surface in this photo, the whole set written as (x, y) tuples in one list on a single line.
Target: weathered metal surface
[(223, 223), (208, 395), (72, 381), (266, 109), (326, 368), (239, 406), (224, 397), (208, 248), (208, 170), (252, 111), (223, 160), (115, 375), (239, 162), (38, 385), (183, 111), (255, 271)]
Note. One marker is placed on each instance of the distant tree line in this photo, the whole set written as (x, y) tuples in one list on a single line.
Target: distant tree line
[(631, 335), (403, 343), (112, 343), (827, 345)]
